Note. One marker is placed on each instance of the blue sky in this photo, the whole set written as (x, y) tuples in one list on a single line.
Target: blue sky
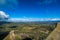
[(31, 8)]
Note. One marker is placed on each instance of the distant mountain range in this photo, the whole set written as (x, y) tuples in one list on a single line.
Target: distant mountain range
[(34, 20), (1, 22), (30, 21)]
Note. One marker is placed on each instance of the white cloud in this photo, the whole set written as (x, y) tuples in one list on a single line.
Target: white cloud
[(20, 19), (32, 19), (3, 15)]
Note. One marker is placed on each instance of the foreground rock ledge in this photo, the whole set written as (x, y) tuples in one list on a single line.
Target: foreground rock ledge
[(55, 35)]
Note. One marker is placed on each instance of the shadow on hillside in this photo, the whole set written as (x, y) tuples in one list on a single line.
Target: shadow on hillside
[(3, 35)]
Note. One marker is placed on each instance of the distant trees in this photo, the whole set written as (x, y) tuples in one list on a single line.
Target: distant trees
[(12, 26)]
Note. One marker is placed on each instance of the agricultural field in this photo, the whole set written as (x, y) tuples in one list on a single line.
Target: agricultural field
[(28, 31)]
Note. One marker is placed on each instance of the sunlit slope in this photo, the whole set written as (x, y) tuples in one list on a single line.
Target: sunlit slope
[(10, 36), (55, 35)]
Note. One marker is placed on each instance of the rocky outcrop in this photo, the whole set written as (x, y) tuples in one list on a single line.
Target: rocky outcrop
[(55, 35)]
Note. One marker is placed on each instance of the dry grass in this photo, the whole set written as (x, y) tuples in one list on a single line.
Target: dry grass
[(55, 35)]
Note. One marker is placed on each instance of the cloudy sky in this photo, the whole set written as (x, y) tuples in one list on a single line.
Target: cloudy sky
[(30, 9)]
